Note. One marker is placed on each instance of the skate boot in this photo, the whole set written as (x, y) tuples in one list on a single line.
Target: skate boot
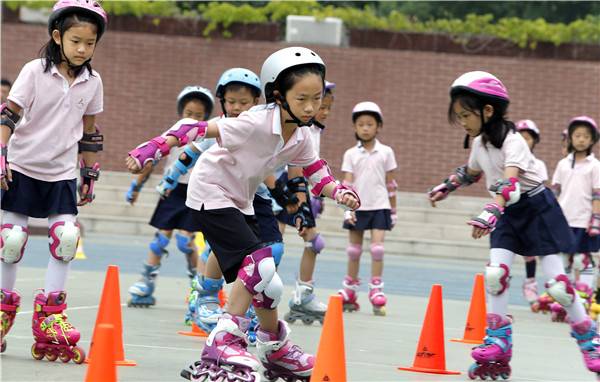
[(492, 357), (376, 296), (585, 332), (558, 313), (350, 294), (594, 310), (305, 306), (542, 304), (281, 358), (530, 291), (9, 306), (141, 292), (54, 336), (225, 356), (585, 293), (204, 307), (251, 333)]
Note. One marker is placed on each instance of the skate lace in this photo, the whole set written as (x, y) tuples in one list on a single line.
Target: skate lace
[(58, 319)]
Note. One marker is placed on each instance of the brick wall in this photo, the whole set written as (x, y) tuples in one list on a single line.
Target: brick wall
[(143, 73)]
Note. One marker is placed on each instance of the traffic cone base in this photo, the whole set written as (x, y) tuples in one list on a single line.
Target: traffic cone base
[(195, 332), (430, 356), (330, 363), (475, 326)]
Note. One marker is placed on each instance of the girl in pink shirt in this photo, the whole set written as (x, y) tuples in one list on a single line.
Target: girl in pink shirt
[(221, 189), (524, 218), (369, 167), (58, 97)]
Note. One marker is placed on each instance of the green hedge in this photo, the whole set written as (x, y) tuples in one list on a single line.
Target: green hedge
[(524, 33)]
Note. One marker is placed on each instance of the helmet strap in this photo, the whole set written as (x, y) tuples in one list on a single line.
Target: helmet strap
[(294, 119)]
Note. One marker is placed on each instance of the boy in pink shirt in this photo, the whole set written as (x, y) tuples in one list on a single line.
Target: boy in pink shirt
[(58, 97), (369, 167), (221, 189)]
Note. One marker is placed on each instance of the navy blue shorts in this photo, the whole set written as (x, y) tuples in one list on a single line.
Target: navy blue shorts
[(267, 224), (172, 213), (375, 219), (585, 243), (535, 226), (39, 199), (286, 218), (231, 235)]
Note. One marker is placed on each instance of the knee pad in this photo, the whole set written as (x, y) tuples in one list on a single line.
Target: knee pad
[(277, 252), (377, 251), (270, 297), (497, 278), (316, 244), (183, 243), (354, 251), (561, 290), (205, 253), (13, 239), (211, 285), (257, 270), (159, 244), (63, 239)]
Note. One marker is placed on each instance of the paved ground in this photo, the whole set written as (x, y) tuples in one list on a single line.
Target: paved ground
[(375, 346)]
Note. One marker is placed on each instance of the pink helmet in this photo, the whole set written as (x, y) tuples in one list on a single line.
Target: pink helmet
[(584, 119), (367, 107), (480, 83), (88, 7), (565, 134), (527, 124)]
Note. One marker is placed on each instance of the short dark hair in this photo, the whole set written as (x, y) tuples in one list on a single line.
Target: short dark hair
[(52, 52), (208, 106), (5, 82)]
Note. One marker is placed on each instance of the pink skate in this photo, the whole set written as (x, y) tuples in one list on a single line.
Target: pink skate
[(281, 358), (530, 291), (558, 313), (54, 336), (376, 296), (493, 356), (542, 304), (350, 294), (587, 337), (225, 356), (9, 306)]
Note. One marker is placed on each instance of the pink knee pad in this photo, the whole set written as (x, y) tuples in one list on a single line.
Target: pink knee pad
[(13, 239), (270, 297), (561, 290), (257, 270), (377, 251), (497, 278), (63, 239), (354, 251), (317, 244)]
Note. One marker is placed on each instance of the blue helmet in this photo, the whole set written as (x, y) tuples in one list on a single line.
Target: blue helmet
[(240, 75), (197, 92)]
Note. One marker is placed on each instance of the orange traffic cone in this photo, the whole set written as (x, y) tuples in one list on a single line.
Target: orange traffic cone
[(331, 357), (103, 368), (195, 332), (110, 313), (475, 326), (431, 355), (222, 298)]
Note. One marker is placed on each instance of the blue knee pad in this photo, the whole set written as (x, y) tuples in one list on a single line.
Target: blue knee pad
[(159, 244), (183, 243), (205, 253), (212, 285), (277, 252)]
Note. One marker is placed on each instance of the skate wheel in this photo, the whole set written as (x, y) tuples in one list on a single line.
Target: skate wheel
[(3, 346), (38, 355), (288, 318), (64, 357), (321, 320), (78, 355), (186, 374), (51, 356), (504, 375), (379, 311), (307, 321), (494, 376), (268, 375), (472, 371)]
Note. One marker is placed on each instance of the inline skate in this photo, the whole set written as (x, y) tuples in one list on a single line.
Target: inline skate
[(304, 305), (492, 357)]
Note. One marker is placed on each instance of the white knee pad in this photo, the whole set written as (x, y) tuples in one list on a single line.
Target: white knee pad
[(257, 270), (270, 297), (63, 238), (561, 290), (13, 239), (497, 278)]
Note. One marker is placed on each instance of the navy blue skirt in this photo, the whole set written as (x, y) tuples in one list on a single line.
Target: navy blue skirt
[(39, 199), (585, 243), (172, 213), (267, 224), (535, 226), (375, 219)]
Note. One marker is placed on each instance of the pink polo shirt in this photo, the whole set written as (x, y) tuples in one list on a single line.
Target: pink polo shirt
[(368, 169), (576, 186), (44, 144), (513, 153), (249, 149)]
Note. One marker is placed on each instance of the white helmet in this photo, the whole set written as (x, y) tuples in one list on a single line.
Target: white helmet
[(200, 92), (367, 107), (284, 59)]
